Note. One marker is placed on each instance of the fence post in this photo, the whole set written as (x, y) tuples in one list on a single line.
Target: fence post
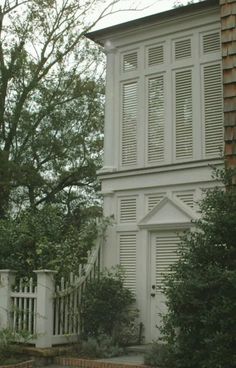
[(44, 313), (7, 280)]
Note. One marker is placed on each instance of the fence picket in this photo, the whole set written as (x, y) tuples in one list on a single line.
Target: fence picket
[(66, 317)]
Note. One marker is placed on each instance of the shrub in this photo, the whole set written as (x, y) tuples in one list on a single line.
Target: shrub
[(158, 356), (8, 353), (199, 327), (102, 346), (105, 304)]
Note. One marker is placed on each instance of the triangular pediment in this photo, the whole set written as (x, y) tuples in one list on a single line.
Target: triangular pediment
[(168, 212)]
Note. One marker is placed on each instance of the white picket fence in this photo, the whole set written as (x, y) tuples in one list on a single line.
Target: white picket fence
[(48, 313)]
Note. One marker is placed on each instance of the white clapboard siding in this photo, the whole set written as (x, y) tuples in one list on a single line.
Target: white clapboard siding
[(129, 124), (184, 114), (183, 49), (211, 42), (187, 198), (128, 258), (128, 210), (156, 119), (166, 255), (213, 109), (155, 55), (153, 200), (130, 61)]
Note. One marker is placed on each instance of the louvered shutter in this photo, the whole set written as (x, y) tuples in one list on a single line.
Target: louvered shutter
[(187, 198), (128, 210), (128, 259), (130, 61), (154, 199), (129, 124), (183, 115), (156, 119), (165, 255), (183, 49), (213, 109), (155, 55), (211, 42)]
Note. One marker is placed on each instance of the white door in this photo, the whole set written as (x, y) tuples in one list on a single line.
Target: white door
[(164, 246)]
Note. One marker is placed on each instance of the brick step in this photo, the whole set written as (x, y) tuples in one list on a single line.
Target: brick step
[(87, 363)]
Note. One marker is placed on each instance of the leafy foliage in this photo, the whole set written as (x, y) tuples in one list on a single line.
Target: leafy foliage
[(46, 238), (102, 346), (51, 132), (8, 353), (158, 356), (51, 104), (105, 304), (199, 328)]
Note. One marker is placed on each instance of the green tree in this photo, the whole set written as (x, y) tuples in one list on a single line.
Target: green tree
[(199, 328), (47, 238), (51, 103)]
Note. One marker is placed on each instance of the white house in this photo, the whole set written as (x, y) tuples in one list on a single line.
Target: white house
[(163, 132)]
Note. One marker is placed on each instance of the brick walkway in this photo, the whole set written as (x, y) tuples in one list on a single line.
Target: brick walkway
[(126, 361)]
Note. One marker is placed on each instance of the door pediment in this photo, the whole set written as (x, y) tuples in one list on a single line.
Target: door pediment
[(168, 213)]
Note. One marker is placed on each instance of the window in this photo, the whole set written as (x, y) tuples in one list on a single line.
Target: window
[(171, 103)]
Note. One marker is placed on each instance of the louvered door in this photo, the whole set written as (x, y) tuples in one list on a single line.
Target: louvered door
[(164, 248), (213, 109), (127, 250), (156, 119), (183, 115), (129, 124)]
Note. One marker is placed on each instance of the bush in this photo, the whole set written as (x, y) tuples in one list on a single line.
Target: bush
[(105, 304), (199, 327), (101, 347), (45, 238), (8, 353), (158, 356)]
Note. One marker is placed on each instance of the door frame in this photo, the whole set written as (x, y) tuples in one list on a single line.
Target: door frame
[(151, 300)]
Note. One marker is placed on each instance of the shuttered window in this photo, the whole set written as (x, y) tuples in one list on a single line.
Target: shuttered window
[(187, 198), (155, 55), (183, 114), (129, 124), (154, 199), (128, 210), (166, 255), (156, 119), (130, 61), (127, 243), (213, 109), (183, 49), (211, 42)]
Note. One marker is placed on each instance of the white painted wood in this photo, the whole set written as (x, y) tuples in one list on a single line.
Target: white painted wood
[(168, 212), (7, 279), (127, 258), (172, 138), (164, 248), (44, 312)]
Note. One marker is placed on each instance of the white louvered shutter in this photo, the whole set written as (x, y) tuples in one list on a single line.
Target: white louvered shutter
[(183, 115), (211, 42), (187, 198), (154, 199), (213, 109), (130, 61), (165, 255), (183, 49), (129, 124), (128, 210), (156, 119), (155, 55), (128, 259)]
